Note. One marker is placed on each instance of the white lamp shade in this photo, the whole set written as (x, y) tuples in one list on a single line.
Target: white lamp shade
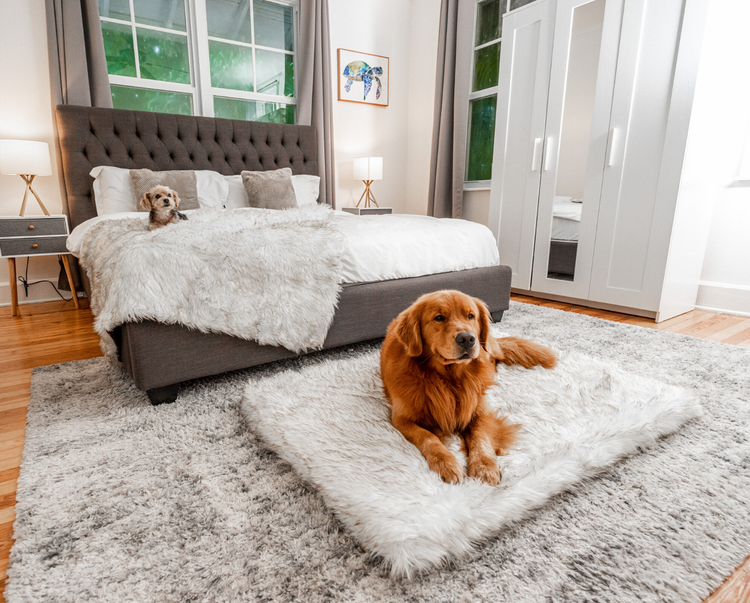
[(368, 168), (25, 157)]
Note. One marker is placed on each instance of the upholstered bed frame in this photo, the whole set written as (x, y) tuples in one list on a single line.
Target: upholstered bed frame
[(133, 139)]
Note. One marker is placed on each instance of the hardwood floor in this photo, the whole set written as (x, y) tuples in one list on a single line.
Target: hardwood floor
[(54, 332)]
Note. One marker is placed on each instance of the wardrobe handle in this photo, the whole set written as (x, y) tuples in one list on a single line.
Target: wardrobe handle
[(535, 157), (614, 141), (547, 153)]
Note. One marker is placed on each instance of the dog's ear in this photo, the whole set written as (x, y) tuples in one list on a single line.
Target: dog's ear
[(176, 198), (409, 330), (146, 201), (485, 319)]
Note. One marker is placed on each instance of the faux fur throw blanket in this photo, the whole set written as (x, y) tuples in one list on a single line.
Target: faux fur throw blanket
[(269, 276)]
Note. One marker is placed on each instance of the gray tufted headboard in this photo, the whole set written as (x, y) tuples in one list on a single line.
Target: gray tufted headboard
[(161, 141)]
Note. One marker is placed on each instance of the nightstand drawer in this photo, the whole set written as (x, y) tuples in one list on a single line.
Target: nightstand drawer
[(29, 227), (33, 246)]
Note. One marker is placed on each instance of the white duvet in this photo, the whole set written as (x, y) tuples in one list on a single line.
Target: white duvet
[(384, 247)]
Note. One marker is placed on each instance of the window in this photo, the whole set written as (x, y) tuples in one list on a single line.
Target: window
[(219, 58), (485, 70)]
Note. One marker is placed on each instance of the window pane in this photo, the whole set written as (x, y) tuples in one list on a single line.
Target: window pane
[(230, 108), (481, 138), (118, 48), (115, 9), (275, 72), (273, 25), (486, 67), (161, 13), (163, 56), (229, 19), (488, 21), (231, 66), (514, 4), (139, 99)]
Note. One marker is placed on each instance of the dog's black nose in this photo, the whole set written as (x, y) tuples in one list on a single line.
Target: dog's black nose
[(466, 340)]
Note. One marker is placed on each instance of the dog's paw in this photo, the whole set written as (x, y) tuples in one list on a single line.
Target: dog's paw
[(447, 467), (485, 469)]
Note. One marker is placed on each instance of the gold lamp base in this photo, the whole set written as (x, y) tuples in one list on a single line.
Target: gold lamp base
[(367, 195), (28, 179)]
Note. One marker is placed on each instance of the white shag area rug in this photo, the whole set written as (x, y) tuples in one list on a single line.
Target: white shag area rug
[(122, 501), (331, 422)]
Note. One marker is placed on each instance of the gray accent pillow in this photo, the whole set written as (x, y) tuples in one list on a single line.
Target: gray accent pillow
[(181, 181), (272, 189)]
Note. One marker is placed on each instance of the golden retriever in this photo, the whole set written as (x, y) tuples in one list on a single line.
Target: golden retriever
[(437, 361)]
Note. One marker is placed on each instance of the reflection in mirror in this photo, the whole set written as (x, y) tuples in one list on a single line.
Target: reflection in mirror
[(578, 113)]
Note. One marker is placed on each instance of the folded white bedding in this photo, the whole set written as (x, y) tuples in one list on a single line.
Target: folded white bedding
[(385, 247)]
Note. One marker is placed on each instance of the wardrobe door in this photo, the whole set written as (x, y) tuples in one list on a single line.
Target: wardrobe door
[(584, 64), (635, 221), (521, 110)]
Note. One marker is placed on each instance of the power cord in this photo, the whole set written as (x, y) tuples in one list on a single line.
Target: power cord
[(26, 284)]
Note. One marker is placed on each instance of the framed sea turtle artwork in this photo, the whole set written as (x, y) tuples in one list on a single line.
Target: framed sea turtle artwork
[(363, 78)]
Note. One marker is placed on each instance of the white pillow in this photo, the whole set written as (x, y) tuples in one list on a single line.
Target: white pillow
[(306, 189), (113, 192)]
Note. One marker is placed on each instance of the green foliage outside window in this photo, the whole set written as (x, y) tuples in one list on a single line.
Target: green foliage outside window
[(488, 21), (163, 56), (481, 138), (231, 66), (118, 49), (158, 101), (486, 67), (230, 108)]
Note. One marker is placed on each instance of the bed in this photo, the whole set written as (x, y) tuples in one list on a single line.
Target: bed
[(92, 137)]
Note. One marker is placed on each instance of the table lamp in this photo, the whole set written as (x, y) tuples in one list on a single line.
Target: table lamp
[(28, 159), (368, 169)]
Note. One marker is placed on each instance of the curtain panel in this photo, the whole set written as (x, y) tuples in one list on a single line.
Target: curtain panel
[(449, 130), (315, 99), (78, 72)]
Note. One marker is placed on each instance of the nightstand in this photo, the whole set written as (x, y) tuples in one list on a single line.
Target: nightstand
[(368, 211), (24, 236)]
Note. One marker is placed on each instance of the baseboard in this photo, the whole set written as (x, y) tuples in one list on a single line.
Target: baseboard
[(37, 294), (723, 297)]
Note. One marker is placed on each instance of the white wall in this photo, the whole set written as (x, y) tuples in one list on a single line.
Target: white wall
[(725, 278), (406, 33), (25, 113)]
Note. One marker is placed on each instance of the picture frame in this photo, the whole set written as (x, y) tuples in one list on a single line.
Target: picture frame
[(363, 78)]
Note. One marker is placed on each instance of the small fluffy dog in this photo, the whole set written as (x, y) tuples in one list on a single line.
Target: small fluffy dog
[(437, 361), (162, 202)]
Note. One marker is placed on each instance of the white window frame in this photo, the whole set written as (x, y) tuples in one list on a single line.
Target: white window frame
[(196, 31), (479, 185)]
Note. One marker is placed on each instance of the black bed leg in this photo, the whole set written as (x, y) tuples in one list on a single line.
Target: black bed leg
[(163, 395), (497, 316)]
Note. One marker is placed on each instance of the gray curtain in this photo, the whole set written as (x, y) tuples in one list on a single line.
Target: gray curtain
[(315, 101), (77, 68), (452, 83)]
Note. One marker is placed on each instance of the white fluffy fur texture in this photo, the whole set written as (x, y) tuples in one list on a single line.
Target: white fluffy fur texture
[(332, 424), (270, 276)]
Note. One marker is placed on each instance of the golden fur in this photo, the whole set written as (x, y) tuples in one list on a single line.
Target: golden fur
[(437, 361), (162, 203)]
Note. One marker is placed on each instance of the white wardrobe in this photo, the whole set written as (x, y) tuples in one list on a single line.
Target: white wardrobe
[(594, 108)]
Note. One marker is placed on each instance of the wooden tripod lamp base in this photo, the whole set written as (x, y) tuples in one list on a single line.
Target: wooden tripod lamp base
[(28, 179), (367, 195), (368, 169)]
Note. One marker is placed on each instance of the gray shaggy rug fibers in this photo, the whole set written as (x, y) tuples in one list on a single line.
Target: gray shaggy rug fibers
[(121, 501)]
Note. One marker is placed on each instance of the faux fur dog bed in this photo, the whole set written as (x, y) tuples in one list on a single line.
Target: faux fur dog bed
[(331, 422)]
